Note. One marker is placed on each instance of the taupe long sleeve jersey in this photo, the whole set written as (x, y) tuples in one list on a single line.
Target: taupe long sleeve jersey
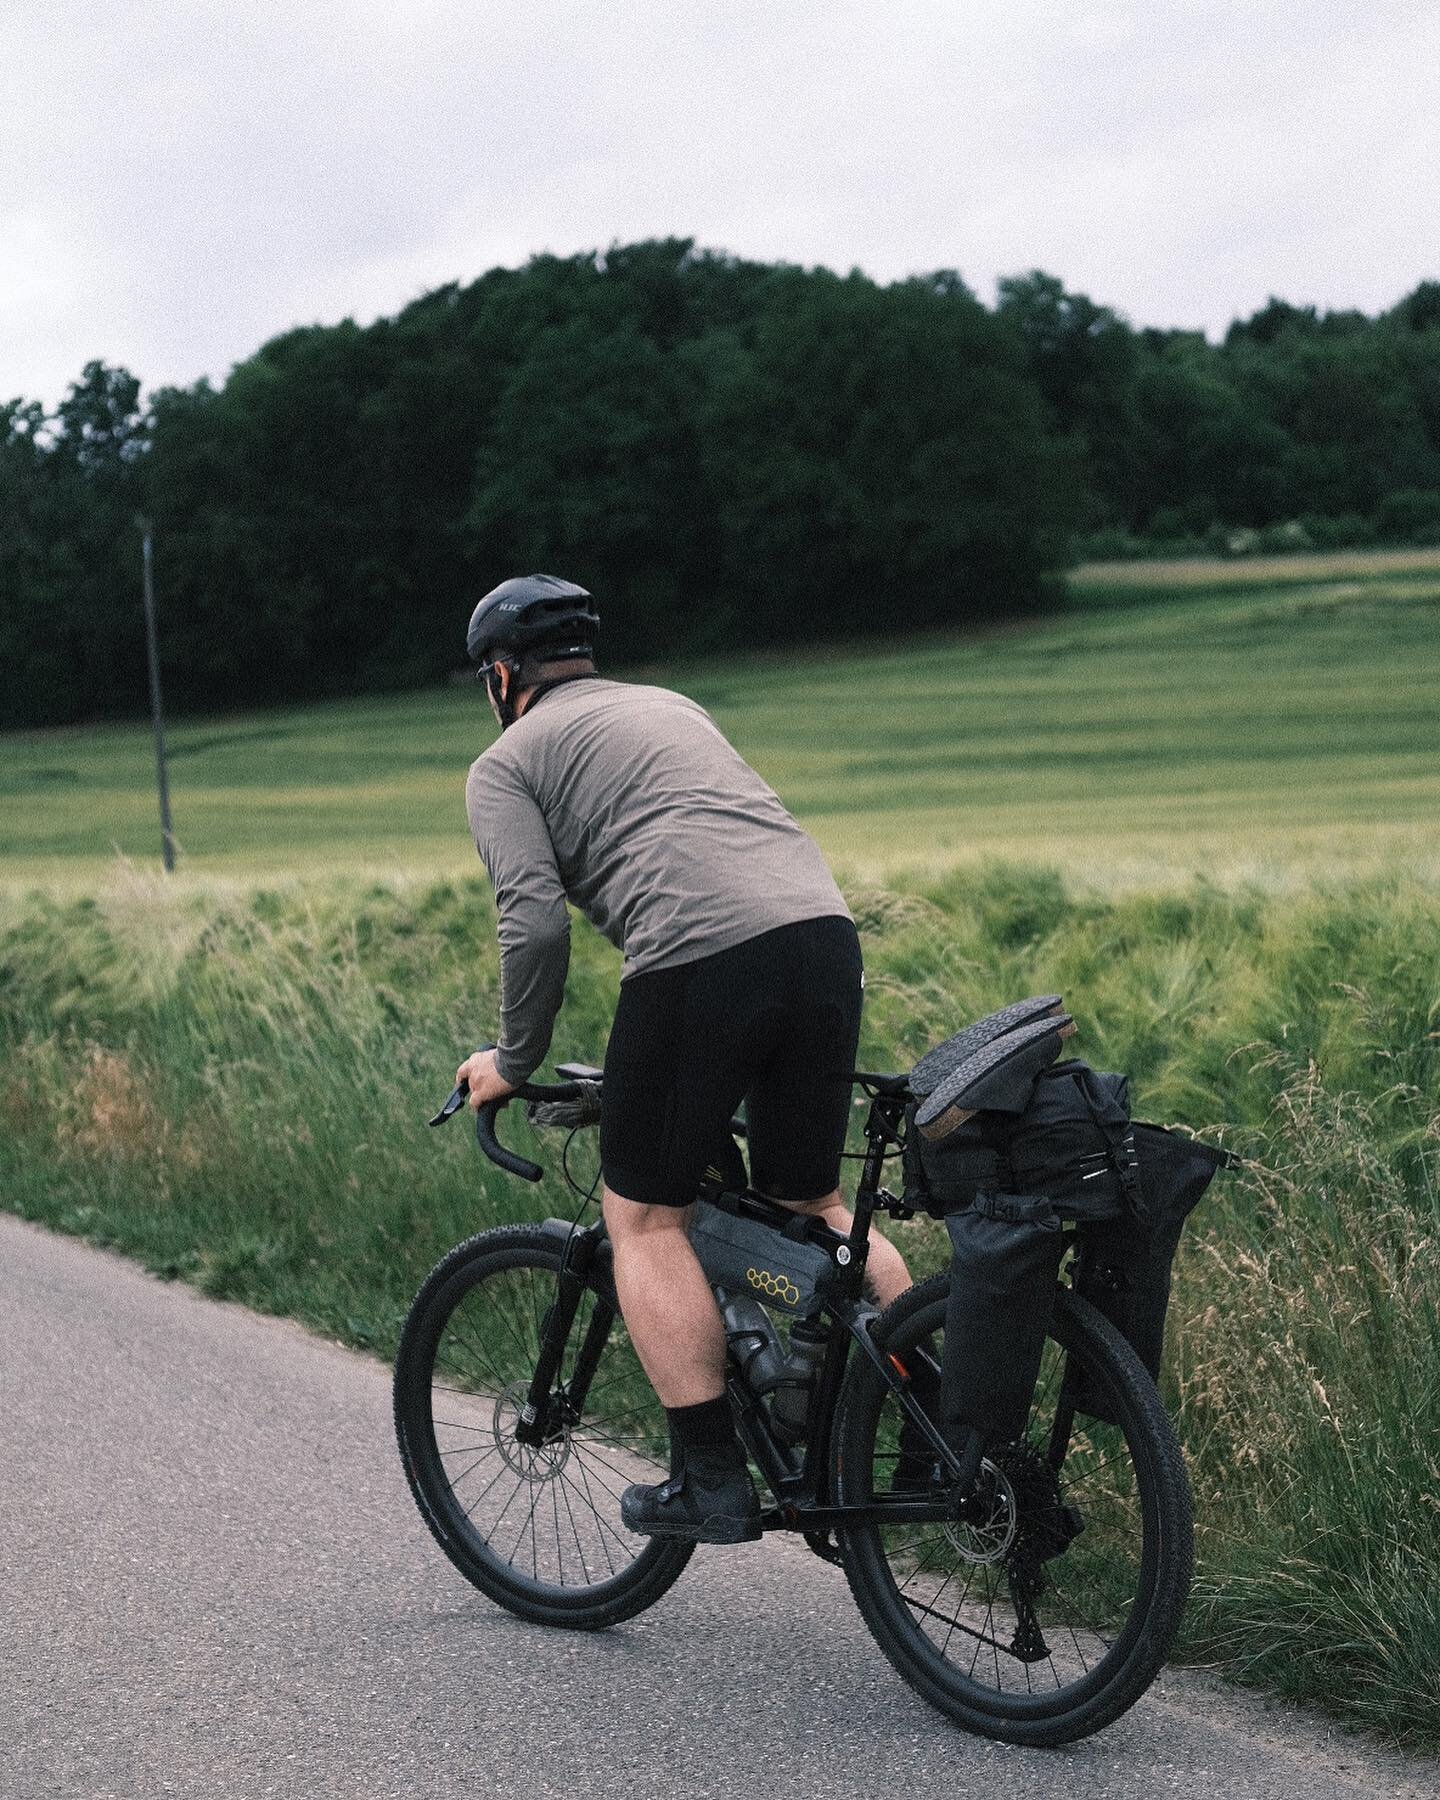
[(627, 802)]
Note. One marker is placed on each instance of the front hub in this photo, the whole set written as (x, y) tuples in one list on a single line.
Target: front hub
[(534, 1446)]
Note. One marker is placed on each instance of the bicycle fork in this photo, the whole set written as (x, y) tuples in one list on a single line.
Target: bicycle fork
[(547, 1411)]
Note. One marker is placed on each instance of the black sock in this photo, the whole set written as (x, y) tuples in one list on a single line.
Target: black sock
[(705, 1434)]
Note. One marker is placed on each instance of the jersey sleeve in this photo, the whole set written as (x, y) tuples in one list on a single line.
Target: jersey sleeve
[(534, 924)]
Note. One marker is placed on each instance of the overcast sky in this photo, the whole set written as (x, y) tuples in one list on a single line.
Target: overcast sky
[(182, 179)]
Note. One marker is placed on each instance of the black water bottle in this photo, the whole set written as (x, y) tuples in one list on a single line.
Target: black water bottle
[(752, 1341), (791, 1398)]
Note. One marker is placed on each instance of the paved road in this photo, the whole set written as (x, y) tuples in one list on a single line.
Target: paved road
[(216, 1585)]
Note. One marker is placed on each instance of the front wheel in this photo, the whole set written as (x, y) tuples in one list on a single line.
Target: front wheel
[(536, 1527), (1048, 1611)]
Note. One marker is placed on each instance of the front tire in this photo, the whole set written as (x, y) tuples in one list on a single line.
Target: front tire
[(537, 1528), (1016, 1625)]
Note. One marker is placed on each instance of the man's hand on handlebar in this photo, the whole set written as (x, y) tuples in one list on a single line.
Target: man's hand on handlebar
[(477, 1082), (478, 1073)]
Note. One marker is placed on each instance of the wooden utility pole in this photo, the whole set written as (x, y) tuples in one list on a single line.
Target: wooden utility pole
[(167, 836)]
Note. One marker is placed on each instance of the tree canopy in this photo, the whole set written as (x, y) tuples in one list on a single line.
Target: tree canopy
[(725, 452)]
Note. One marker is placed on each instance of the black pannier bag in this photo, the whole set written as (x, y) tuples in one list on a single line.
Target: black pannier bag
[(1073, 1141), (944, 1178), (1005, 1261), (1124, 1264), (1058, 1148)]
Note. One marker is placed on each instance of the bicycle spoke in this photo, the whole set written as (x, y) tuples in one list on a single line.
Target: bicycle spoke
[(595, 1512), (488, 1451), (500, 1304), (563, 1488), (595, 1468), (1022, 1599), (990, 1620), (482, 1357), (636, 1447), (559, 1541), (465, 1450), (1078, 1651), (938, 1598), (537, 1310), (519, 1483), (480, 1354), (524, 1523)]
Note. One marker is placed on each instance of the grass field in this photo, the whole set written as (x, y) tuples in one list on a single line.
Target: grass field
[(1272, 722), (1204, 813), (233, 1088)]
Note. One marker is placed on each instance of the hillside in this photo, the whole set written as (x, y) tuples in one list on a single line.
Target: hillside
[(1257, 724)]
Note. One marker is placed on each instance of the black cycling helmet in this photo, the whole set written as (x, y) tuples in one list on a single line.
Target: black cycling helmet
[(537, 617), (532, 613)]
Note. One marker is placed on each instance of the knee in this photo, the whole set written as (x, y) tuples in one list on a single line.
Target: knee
[(829, 1207), (632, 1221)]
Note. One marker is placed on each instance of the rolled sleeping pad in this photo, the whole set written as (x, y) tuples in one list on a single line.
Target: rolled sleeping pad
[(997, 1078), (945, 1058)]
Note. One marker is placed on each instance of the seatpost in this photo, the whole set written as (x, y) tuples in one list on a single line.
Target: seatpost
[(879, 1134)]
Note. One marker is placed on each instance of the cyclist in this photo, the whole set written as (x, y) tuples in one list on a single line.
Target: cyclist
[(742, 980)]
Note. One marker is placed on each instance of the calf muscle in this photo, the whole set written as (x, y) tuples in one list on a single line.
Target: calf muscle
[(666, 1301)]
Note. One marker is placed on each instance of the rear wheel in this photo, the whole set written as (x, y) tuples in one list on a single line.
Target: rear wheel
[(1049, 1611), (536, 1527)]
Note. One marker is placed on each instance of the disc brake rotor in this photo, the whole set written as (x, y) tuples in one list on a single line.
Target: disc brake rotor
[(535, 1462), (986, 1537)]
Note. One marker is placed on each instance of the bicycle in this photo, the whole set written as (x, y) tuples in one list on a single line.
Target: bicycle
[(1030, 1599)]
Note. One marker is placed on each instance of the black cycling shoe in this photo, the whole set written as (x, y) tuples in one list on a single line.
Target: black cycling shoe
[(700, 1505)]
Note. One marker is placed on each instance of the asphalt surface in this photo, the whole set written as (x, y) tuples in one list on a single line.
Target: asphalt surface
[(216, 1584)]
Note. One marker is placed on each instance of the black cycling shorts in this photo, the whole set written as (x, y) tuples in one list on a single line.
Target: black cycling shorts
[(772, 1022)]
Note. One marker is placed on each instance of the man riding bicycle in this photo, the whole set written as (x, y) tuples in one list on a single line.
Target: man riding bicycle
[(742, 980)]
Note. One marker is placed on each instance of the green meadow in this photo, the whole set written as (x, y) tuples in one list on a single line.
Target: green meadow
[(1203, 808), (1260, 723)]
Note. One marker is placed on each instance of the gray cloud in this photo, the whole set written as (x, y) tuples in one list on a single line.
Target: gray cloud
[(180, 181)]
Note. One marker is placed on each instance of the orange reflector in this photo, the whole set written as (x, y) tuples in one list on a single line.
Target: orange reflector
[(899, 1368)]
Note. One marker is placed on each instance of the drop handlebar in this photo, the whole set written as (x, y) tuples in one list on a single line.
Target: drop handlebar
[(486, 1116)]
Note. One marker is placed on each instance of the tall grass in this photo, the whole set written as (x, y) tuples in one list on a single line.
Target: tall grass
[(1308, 1366), (233, 1088)]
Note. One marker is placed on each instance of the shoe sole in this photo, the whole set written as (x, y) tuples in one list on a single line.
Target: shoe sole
[(716, 1528), (996, 1079), (945, 1058)]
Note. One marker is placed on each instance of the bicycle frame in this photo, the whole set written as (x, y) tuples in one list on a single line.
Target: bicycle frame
[(800, 1484)]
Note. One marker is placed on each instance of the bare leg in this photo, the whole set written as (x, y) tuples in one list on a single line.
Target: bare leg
[(886, 1276), (666, 1301)]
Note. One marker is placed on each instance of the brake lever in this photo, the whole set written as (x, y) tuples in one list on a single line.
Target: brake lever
[(457, 1099), (458, 1095)]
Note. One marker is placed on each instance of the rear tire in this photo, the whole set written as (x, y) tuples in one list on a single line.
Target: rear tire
[(1009, 1625), (537, 1529)]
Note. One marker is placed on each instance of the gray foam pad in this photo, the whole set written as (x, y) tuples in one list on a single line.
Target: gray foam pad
[(945, 1058)]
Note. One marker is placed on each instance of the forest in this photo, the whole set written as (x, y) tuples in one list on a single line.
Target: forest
[(730, 454)]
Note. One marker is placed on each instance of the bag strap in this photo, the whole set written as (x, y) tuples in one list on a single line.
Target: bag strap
[(1223, 1159), (1113, 1123)]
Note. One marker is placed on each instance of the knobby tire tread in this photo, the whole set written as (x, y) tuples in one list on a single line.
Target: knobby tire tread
[(656, 1567), (868, 1574)]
